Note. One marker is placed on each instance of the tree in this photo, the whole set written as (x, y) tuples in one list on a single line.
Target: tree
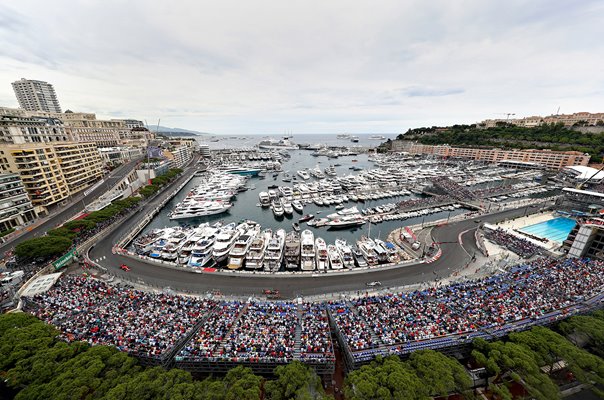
[(586, 327), (47, 246), (508, 362), (549, 347), (441, 374), (294, 381), (385, 378)]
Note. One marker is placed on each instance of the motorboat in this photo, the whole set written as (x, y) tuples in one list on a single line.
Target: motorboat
[(343, 212), (292, 250), (277, 209), (287, 208), (330, 171), (201, 254), (297, 205), (273, 255), (303, 174), (296, 226), (344, 222), (335, 260), (241, 247), (199, 209), (265, 200), (255, 256), (225, 240), (345, 253), (358, 256), (305, 218), (322, 258), (307, 251)]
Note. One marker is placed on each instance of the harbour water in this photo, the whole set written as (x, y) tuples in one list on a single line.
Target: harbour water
[(246, 204)]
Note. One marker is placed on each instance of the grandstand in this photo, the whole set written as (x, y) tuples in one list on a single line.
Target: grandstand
[(206, 335)]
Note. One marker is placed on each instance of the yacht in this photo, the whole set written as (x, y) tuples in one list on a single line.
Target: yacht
[(330, 171), (307, 252), (225, 241), (303, 174), (277, 209), (255, 255), (347, 221), (322, 256), (297, 205), (354, 139), (287, 208), (199, 209), (335, 261), (366, 247), (201, 254), (358, 256), (144, 244), (265, 200), (345, 253), (343, 212), (241, 247), (283, 144), (273, 255), (377, 137), (292, 250)]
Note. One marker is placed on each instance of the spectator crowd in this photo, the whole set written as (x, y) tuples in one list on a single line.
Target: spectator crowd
[(518, 245), (152, 324)]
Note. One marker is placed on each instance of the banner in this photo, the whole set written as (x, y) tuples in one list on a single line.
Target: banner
[(66, 258)]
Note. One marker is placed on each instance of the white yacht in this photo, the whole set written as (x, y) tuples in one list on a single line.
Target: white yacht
[(347, 221), (307, 251), (255, 255), (199, 209), (292, 250), (265, 200), (283, 144), (277, 209), (287, 208), (298, 206), (273, 255), (201, 254), (366, 247), (241, 247), (330, 171), (343, 212), (345, 252), (322, 256), (335, 261), (225, 241), (303, 174)]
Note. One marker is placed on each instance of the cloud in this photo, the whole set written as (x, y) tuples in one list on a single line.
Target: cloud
[(418, 91), (267, 66)]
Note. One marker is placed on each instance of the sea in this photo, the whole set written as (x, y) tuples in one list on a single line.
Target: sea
[(246, 204)]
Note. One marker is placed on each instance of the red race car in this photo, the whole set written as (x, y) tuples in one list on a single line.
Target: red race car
[(124, 267)]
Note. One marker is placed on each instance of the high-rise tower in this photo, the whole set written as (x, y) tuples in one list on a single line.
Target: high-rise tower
[(36, 96)]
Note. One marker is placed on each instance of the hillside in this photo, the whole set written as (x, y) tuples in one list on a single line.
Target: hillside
[(554, 137)]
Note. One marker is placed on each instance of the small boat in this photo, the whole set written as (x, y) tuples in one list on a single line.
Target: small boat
[(296, 226), (305, 218)]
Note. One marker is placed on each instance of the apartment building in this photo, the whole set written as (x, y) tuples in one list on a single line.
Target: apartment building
[(22, 129), (584, 118), (554, 160), (15, 207), (34, 95), (51, 172)]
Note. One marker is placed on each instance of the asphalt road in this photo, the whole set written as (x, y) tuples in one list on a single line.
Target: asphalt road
[(72, 209), (454, 256)]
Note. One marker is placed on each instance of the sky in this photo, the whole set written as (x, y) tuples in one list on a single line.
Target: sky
[(269, 67)]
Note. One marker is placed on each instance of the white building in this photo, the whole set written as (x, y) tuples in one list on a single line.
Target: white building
[(15, 207), (36, 96)]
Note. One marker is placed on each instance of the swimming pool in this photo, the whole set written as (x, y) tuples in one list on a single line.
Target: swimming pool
[(556, 229)]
